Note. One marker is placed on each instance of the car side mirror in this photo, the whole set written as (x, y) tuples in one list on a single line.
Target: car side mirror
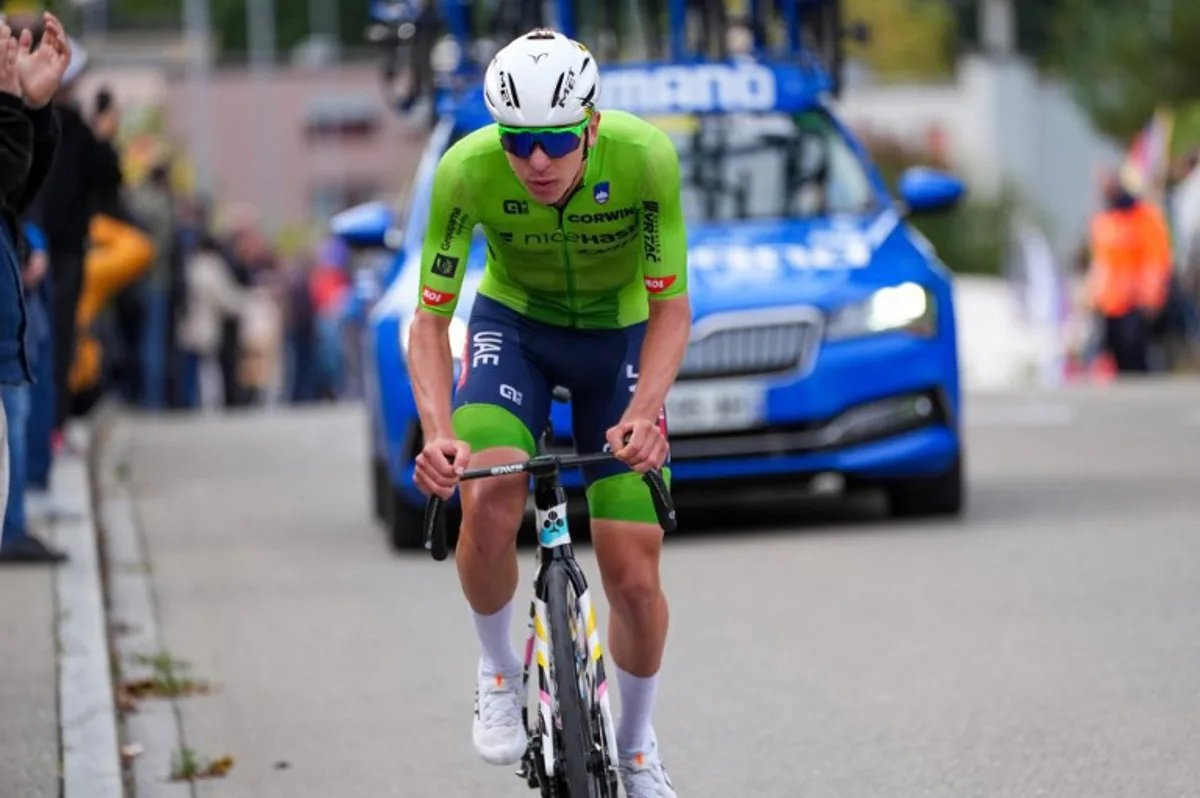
[(925, 190), (371, 225)]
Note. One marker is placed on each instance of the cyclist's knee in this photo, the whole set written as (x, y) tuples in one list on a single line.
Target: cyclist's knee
[(493, 508), (628, 558), (634, 590), (627, 541)]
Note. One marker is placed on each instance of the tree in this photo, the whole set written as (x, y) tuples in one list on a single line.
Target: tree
[(910, 39), (1034, 20), (228, 19), (1126, 58), (291, 23)]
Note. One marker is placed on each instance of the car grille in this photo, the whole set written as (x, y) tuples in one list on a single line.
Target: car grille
[(750, 349)]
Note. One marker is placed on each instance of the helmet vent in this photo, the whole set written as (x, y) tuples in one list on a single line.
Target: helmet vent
[(540, 34), (554, 97), (512, 87)]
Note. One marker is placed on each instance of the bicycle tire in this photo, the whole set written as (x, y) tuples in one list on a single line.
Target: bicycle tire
[(574, 748)]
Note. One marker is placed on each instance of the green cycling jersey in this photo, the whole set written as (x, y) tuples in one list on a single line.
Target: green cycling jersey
[(595, 263)]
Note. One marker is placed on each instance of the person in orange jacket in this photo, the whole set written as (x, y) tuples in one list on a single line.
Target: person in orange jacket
[(1130, 273), (120, 253)]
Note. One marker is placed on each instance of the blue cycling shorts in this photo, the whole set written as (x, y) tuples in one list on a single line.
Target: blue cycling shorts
[(512, 364)]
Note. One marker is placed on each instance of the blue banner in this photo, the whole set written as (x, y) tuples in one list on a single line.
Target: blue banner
[(736, 86)]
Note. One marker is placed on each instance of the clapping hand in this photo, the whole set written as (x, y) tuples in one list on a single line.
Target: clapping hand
[(10, 78), (41, 71)]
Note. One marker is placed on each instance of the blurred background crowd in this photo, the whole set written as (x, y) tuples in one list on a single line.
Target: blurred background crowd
[(180, 259)]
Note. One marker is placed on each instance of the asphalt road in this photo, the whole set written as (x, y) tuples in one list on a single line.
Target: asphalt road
[(1046, 645)]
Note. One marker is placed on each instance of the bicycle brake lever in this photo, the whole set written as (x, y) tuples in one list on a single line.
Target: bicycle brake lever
[(435, 524), (664, 508), (435, 528)]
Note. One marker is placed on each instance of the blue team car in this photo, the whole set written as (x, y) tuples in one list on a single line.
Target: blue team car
[(823, 354)]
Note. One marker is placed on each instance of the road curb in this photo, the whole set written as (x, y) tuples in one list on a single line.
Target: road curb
[(157, 725), (88, 729)]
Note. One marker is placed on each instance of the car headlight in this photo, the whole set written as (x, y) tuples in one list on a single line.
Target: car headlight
[(906, 307), (458, 335)]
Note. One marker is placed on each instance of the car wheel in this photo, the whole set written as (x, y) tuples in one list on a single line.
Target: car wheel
[(406, 524), (380, 487), (938, 495)]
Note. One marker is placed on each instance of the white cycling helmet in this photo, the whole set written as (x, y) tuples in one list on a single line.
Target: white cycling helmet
[(541, 79)]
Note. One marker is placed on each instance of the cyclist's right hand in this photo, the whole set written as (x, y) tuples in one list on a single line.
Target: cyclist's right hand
[(440, 464)]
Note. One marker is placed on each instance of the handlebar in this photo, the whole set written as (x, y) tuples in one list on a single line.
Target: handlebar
[(541, 466)]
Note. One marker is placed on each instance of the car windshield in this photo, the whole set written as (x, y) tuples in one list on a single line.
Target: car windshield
[(766, 166)]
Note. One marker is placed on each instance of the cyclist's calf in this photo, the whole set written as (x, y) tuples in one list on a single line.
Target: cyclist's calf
[(628, 555)]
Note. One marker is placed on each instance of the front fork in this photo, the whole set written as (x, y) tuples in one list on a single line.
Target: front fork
[(539, 765)]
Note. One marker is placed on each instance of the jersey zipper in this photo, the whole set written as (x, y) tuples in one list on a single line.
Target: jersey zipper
[(562, 226)]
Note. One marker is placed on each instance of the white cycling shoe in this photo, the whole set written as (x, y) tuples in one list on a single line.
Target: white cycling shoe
[(498, 732), (643, 774)]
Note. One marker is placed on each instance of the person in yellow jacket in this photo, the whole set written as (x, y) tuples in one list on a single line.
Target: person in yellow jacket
[(119, 254), (1130, 273)]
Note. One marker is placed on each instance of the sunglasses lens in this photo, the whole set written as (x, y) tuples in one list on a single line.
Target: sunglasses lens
[(559, 144), (555, 143), (519, 144)]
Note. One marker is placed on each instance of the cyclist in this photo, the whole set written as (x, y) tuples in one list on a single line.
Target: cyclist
[(585, 287)]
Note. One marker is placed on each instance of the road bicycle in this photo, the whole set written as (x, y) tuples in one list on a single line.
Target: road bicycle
[(572, 750)]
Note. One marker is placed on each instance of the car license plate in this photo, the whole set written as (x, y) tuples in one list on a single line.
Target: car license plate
[(715, 406)]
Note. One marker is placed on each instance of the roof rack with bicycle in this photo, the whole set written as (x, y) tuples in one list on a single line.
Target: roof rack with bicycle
[(435, 49)]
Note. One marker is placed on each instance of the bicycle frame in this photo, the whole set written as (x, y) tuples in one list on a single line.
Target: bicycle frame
[(555, 551)]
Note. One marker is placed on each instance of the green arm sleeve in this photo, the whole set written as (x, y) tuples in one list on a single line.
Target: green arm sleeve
[(447, 237), (664, 235)]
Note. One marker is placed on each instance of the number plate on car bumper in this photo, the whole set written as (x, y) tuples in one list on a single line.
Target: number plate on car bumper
[(715, 406)]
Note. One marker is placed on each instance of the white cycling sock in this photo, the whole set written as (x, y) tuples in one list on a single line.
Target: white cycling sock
[(637, 702), (495, 637)]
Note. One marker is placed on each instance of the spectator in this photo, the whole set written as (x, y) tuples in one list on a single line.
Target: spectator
[(86, 169), (1130, 272), (213, 296), (39, 428), (329, 283), (152, 203), (29, 137), (190, 222), (262, 330), (1179, 326), (18, 542), (240, 253), (301, 330), (118, 255)]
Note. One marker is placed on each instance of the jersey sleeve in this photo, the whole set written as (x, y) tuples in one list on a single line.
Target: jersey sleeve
[(447, 237), (664, 235)]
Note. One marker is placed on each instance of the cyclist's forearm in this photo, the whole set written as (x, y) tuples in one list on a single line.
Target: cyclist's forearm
[(431, 368), (663, 350)]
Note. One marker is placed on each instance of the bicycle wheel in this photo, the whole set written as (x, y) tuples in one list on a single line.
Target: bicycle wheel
[(576, 741)]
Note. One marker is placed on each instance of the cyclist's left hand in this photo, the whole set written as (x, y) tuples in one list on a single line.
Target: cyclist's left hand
[(647, 447)]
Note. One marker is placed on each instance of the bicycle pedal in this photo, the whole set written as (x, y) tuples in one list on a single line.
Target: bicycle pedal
[(528, 774)]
